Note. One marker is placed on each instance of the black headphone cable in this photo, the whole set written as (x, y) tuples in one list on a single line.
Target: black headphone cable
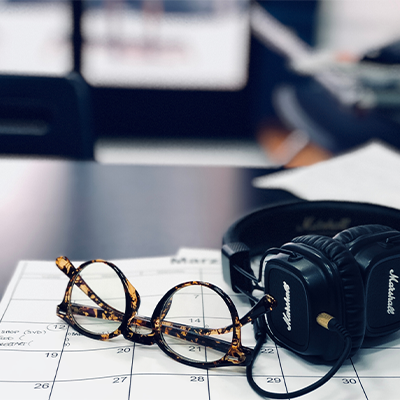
[(327, 322)]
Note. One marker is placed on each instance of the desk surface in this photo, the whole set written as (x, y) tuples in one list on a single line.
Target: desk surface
[(86, 210)]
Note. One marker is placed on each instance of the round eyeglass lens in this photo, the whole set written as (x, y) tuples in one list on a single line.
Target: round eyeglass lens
[(98, 299), (191, 323)]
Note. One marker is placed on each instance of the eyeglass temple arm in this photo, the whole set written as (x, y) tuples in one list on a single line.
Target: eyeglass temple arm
[(202, 335), (265, 305), (195, 336), (191, 334), (101, 313), (184, 332)]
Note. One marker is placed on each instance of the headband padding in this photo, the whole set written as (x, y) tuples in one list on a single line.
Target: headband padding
[(348, 235), (277, 224)]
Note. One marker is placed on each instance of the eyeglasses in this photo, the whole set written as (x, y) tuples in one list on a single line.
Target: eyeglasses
[(101, 303)]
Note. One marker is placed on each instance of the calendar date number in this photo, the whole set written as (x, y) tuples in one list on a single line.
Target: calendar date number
[(349, 381), (195, 378), (42, 385)]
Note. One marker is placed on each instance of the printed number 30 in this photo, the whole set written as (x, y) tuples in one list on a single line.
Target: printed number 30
[(348, 381)]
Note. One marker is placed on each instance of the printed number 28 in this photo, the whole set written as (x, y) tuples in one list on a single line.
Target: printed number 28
[(196, 378)]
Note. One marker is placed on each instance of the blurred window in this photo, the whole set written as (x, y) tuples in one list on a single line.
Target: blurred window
[(164, 43), (35, 37), (195, 44)]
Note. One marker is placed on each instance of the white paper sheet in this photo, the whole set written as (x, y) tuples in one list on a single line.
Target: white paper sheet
[(42, 358), (369, 174)]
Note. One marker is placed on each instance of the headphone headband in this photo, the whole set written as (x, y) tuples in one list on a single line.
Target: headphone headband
[(273, 226)]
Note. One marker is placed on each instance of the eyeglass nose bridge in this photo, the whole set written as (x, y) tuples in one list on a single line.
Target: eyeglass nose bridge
[(239, 355), (132, 295)]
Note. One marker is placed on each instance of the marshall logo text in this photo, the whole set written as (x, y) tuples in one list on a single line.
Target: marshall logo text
[(286, 314), (392, 280), (313, 224)]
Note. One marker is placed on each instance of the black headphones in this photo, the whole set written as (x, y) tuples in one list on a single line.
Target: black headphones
[(339, 258)]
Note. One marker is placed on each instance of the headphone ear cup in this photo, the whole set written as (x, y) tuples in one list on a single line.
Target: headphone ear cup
[(350, 284), (376, 249)]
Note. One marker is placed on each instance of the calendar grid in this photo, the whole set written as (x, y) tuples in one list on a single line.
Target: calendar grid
[(58, 365), (204, 319), (359, 380), (43, 358), (281, 369)]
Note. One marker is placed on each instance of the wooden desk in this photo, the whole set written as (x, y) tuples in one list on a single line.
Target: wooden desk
[(85, 210)]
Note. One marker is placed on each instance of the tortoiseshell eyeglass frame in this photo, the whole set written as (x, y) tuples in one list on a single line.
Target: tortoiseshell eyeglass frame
[(234, 352)]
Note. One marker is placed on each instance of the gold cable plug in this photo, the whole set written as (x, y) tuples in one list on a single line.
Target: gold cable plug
[(323, 319)]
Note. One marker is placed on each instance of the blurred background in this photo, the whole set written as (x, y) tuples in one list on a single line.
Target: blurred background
[(238, 82)]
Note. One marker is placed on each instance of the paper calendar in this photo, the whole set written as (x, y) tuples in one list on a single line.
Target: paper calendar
[(43, 358)]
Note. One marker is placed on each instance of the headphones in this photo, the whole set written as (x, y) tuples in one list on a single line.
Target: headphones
[(339, 258)]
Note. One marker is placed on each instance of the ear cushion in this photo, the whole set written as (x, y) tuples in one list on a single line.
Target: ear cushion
[(351, 283), (348, 235)]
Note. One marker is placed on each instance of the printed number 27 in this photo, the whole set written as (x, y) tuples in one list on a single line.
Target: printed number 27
[(120, 379)]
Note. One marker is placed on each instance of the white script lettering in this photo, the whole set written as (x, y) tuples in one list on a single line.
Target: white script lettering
[(286, 315), (392, 280)]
